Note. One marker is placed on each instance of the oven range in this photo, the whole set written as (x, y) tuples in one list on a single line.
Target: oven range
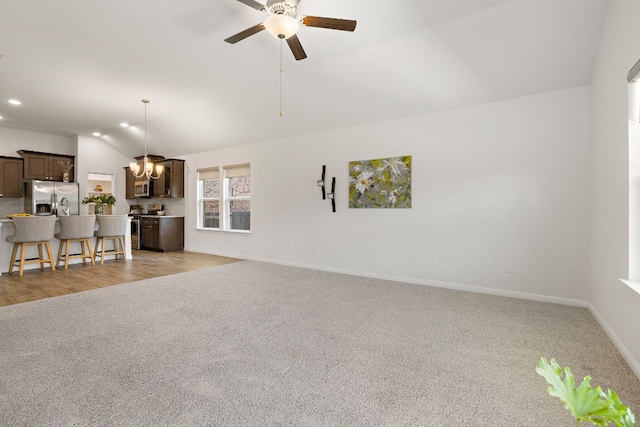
[(136, 231), (136, 223)]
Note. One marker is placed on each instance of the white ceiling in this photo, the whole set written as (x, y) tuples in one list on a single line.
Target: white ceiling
[(80, 66)]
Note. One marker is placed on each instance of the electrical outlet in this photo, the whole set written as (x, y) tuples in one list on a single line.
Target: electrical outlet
[(314, 249), (509, 267), (434, 259)]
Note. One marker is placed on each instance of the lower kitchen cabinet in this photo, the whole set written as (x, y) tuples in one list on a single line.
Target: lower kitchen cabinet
[(162, 234)]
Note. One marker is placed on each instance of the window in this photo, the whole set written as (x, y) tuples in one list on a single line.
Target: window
[(633, 120), (224, 203), (209, 198), (237, 197)]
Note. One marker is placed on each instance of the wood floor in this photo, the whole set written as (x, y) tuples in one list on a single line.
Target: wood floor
[(36, 284)]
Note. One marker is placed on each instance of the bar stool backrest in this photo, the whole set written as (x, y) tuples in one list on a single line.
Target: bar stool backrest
[(111, 225), (77, 227), (33, 229)]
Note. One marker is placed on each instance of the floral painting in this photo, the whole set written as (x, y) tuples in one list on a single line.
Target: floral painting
[(380, 183)]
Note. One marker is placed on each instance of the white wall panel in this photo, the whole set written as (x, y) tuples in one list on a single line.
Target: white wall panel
[(12, 140), (609, 229), (511, 183)]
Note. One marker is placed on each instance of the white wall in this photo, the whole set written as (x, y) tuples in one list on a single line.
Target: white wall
[(12, 140), (615, 307), (96, 156), (512, 187)]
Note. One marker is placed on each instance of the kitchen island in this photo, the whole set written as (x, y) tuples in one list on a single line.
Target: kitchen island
[(7, 229)]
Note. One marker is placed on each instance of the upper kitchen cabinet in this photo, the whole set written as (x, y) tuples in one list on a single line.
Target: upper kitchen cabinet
[(46, 166), (171, 183), (130, 183), (11, 177)]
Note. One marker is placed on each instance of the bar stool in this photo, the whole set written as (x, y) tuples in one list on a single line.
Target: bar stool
[(76, 228), (110, 227), (32, 230)]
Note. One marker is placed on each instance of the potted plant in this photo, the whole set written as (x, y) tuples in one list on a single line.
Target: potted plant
[(100, 200), (585, 404)]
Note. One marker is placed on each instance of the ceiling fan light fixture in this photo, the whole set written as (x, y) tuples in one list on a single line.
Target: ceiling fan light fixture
[(281, 26)]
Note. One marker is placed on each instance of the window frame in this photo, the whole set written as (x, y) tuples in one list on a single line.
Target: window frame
[(201, 199), (224, 174), (227, 198)]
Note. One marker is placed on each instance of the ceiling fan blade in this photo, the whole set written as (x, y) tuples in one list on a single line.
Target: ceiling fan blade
[(253, 4), (296, 47), (330, 23), (244, 34)]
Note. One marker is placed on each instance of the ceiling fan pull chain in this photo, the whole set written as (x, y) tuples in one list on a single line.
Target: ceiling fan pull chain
[(281, 41)]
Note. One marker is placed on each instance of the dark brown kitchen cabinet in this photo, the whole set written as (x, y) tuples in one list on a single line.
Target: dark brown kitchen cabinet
[(162, 234), (129, 183), (45, 166), (11, 177), (171, 183)]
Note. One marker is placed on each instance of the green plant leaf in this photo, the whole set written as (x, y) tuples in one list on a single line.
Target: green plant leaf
[(627, 419), (584, 403), (100, 199)]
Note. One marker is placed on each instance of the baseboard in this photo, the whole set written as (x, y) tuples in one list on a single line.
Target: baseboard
[(626, 354), (413, 280)]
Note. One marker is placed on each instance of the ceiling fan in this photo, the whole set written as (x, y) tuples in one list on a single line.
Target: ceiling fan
[(283, 23)]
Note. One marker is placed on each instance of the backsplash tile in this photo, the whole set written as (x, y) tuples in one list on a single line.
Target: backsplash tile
[(11, 206), (171, 206)]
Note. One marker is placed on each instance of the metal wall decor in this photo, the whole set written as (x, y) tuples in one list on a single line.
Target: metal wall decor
[(332, 195), (322, 184)]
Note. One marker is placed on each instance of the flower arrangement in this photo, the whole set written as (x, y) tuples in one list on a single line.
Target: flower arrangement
[(100, 200), (65, 166)]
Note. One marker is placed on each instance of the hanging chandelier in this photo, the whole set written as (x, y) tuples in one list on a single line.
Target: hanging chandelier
[(147, 167)]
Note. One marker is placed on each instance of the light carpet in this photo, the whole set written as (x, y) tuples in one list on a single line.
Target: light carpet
[(256, 344)]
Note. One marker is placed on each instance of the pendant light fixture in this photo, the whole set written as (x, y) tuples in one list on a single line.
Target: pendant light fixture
[(147, 168)]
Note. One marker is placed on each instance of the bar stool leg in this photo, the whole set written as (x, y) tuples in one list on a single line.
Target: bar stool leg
[(99, 250), (60, 248), (91, 256), (53, 267), (66, 255), (23, 254), (40, 255), (13, 256), (82, 251), (121, 240)]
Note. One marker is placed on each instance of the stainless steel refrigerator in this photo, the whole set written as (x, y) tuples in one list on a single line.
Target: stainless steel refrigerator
[(52, 198)]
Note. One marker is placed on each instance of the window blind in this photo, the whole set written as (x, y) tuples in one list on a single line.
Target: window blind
[(237, 171), (208, 173)]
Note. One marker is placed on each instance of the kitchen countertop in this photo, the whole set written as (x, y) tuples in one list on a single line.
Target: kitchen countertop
[(4, 219)]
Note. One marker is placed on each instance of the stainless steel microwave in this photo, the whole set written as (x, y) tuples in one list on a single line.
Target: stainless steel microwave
[(142, 189)]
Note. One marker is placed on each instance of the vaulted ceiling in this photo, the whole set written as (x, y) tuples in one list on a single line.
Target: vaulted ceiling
[(81, 66)]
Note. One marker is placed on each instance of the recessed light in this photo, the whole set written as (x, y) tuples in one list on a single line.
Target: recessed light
[(14, 102), (97, 134), (0, 117), (124, 125)]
